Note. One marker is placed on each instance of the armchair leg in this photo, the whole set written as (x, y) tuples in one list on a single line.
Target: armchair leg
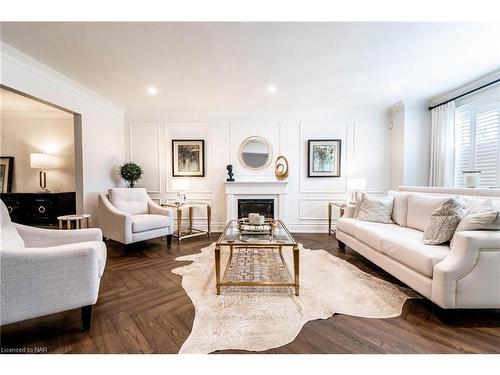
[(341, 245), (86, 317), (169, 240)]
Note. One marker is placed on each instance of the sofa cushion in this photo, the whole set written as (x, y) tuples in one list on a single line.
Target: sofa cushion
[(409, 250), (420, 209), (9, 236), (133, 201), (144, 222), (400, 208)]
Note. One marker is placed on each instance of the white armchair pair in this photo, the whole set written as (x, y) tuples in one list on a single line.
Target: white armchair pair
[(129, 215), (45, 271)]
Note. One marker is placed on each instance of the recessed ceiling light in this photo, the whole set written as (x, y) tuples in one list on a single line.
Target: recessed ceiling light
[(152, 91), (394, 88), (271, 89)]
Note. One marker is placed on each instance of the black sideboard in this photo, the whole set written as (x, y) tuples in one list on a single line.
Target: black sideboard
[(39, 208)]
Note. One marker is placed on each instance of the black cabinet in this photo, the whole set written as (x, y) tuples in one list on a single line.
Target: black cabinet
[(39, 208)]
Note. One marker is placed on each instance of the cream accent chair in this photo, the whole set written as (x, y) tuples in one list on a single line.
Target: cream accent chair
[(465, 274), (129, 215), (45, 271)]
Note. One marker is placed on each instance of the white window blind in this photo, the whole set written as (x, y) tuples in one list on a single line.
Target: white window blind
[(477, 140)]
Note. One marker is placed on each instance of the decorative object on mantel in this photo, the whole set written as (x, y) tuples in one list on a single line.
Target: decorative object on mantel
[(180, 185), (42, 161), (188, 158), (323, 157), (255, 153), (281, 168), (472, 178), (130, 172), (6, 170), (261, 318), (230, 173)]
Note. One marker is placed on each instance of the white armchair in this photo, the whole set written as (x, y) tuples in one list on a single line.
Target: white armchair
[(129, 215), (46, 271)]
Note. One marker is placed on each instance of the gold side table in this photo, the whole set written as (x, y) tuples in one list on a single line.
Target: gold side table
[(330, 214), (78, 219), (181, 234)]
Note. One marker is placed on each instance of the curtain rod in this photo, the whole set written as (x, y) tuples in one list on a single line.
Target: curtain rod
[(464, 94)]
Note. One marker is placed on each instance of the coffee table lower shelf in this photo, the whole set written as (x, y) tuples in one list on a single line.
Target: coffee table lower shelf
[(293, 281)]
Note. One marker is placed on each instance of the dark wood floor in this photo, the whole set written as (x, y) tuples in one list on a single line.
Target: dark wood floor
[(143, 308)]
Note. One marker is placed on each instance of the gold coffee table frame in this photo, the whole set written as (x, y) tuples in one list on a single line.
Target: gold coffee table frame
[(290, 242)]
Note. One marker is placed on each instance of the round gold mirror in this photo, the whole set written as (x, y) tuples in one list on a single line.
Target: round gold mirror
[(255, 153)]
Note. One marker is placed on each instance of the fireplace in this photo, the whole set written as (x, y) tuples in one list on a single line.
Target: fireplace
[(260, 206)]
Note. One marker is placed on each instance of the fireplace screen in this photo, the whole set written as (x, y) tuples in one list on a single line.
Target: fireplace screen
[(260, 206)]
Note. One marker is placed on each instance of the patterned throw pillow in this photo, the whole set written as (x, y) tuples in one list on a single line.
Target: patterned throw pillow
[(378, 209), (444, 221)]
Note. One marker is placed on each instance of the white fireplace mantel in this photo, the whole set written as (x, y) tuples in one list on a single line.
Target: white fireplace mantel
[(255, 190)]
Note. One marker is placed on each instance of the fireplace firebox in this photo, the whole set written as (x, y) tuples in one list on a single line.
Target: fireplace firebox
[(260, 206)]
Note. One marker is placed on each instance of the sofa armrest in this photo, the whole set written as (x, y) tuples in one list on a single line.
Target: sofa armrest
[(39, 237), (115, 224), (470, 275), (41, 281), (349, 210)]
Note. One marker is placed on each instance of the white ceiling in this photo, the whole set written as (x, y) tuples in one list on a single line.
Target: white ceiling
[(227, 66), (13, 105)]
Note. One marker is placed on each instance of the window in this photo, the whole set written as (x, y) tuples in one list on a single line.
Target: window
[(477, 138)]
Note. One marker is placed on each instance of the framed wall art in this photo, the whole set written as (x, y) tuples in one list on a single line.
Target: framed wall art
[(6, 170), (323, 157), (188, 158)]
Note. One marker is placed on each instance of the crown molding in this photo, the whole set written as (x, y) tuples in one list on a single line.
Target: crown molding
[(51, 74)]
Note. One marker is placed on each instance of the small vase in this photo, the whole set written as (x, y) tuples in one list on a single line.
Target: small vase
[(472, 178)]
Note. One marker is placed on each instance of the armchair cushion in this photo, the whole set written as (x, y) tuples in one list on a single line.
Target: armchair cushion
[(141, 223), (133, 201)]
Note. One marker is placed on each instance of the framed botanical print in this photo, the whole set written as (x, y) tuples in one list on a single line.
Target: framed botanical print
[(188, 158), (6, 169), (323, 157)]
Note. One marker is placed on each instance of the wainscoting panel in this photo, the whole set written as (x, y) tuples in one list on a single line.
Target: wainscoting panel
[(144, 149)]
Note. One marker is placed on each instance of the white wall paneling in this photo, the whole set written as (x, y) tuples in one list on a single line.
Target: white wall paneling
[(306, 200), (144, 149)]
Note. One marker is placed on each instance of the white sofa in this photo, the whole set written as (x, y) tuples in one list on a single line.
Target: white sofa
[(129, 215), (45, 271), (467, 275)]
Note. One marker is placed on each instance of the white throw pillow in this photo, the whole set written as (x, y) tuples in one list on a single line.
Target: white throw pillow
[(479, 218), (477, 205), (444, 221), (400, 209), (378, 209)]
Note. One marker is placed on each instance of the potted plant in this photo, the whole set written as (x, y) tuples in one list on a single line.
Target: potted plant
[(130, 172)]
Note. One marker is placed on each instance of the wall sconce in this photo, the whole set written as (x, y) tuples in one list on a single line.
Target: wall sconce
[(42, 161)]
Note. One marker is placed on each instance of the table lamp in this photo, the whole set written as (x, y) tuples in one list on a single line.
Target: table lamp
[(42, 161), (355, 185), (180, 185)]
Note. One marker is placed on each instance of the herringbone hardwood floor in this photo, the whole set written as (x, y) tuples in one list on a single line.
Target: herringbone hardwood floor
[(142, 308)]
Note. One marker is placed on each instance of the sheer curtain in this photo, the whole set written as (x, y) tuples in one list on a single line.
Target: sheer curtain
[(442, 145)]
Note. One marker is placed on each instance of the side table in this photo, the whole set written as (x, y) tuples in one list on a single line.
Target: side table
[(330, 214), (78, 219), (191, 231)]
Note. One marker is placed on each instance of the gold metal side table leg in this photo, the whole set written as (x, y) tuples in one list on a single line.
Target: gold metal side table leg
[(217, 269), (296, 269), (329, 219), (179, 225), (60, 224), (190, 220), (209, 219)]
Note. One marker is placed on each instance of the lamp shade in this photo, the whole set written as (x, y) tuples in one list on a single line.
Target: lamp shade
[(180, 184), (356, 184), (40, 160)]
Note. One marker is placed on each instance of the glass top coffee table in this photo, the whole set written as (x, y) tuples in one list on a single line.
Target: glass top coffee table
[(274, 239)]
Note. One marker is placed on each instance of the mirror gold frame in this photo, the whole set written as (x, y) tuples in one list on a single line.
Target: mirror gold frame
[(256, 139)]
